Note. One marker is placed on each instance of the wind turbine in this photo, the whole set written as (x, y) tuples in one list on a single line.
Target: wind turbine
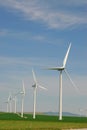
[(81, 112), (23, 94), (7, 102), (35, 86), (15, 102), (60, 69), (10, 102)]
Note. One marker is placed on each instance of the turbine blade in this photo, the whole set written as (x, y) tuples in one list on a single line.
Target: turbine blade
[(6, 102), (34, 77), (10, 97), (16, 93), (55, 68), (66, 56), (77, 89), (42, 87)]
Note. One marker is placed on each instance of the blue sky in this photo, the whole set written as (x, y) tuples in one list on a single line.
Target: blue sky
[(36, 34)]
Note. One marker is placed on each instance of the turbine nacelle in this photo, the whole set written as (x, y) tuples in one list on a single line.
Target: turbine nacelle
[(34, 85), (22, 93)]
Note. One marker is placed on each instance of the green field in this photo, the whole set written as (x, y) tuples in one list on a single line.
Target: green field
[(10, 121)]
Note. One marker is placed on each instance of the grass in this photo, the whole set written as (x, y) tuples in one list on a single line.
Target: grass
[(10, 121)]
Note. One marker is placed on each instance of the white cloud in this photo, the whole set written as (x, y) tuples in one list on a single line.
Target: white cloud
[(23, 35), (76, 2), (53, 18), (6, 61)]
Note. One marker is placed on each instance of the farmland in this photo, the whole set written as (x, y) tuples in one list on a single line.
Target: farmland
[(10, 121)]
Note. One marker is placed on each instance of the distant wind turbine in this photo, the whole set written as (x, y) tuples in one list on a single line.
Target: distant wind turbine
[(60, 69), (7, 103), (15, 102), (35, 86), (10, 102), (23, 95)]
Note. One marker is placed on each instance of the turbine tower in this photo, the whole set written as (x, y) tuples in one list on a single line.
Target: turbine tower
[(23, 95), (35, 86), (60, 69)]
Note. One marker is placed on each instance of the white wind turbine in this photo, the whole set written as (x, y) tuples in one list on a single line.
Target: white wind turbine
[(60, 69), (10, 102), (35, 86), (7, 103), (23, 95), (15, 102)]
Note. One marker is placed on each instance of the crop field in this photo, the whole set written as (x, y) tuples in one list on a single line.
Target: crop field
[(10, 121)]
